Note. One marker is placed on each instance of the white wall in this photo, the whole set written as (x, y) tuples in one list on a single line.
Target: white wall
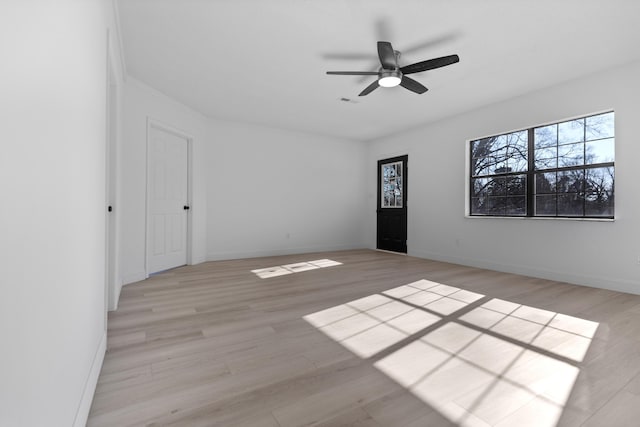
[(272, 191), (256, 190), (600, 254), (140, 104), (52, 179)]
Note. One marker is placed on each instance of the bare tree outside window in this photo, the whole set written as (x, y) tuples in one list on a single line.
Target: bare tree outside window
[(564, 169), (498, 184)]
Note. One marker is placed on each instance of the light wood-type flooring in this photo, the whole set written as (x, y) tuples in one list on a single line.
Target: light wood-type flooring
[(377, 340)]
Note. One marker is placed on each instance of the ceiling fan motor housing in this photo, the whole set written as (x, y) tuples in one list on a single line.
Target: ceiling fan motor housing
[(389, 78)]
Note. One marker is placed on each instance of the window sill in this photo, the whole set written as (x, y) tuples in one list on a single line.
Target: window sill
[(541, 218)]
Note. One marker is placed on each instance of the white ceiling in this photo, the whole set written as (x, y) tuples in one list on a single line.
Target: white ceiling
[(264, 61)]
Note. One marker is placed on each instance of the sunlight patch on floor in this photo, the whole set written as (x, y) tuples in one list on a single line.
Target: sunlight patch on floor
[(478, 361), (281, 270)]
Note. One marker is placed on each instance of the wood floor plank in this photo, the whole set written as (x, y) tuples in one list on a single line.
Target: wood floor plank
[(323, 406), (216, 345)]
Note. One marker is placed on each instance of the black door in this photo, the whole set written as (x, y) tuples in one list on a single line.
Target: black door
[(392, 204)]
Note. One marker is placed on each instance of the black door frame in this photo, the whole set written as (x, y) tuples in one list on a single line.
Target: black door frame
[(400, 245)]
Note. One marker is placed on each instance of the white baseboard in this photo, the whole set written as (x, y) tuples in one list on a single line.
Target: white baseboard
[(134, 277), (220, 256), (198, 260), (391, 252), (618, 285), (90, 386), (116, 298)]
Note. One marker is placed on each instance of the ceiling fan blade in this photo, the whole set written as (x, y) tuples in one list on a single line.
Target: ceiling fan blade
[(374, 66), (353, 73), (430, 64), (412, 85), (387, 56), (350, 56), (383, 29), (430, 43), (373, 86)]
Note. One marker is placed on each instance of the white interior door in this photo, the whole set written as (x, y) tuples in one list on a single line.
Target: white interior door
[(168, 204)]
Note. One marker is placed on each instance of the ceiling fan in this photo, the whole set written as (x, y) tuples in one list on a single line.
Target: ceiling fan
[(390, 74)]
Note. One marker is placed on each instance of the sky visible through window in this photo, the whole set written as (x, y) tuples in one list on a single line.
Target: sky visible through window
[(564, 169)]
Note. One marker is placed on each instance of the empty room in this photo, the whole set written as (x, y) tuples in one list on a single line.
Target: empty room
[(320, 213)]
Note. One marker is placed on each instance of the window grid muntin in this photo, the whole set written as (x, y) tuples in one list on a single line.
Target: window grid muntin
[(392, 183), (532, 172)]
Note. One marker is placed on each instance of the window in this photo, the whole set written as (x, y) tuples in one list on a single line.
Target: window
[(391, 185), (564, 169)]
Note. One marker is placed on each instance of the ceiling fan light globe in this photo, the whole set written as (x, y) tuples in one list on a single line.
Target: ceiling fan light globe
[(389, 81)]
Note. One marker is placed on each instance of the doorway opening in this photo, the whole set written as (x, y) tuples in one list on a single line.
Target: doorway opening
[(392, 204)]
